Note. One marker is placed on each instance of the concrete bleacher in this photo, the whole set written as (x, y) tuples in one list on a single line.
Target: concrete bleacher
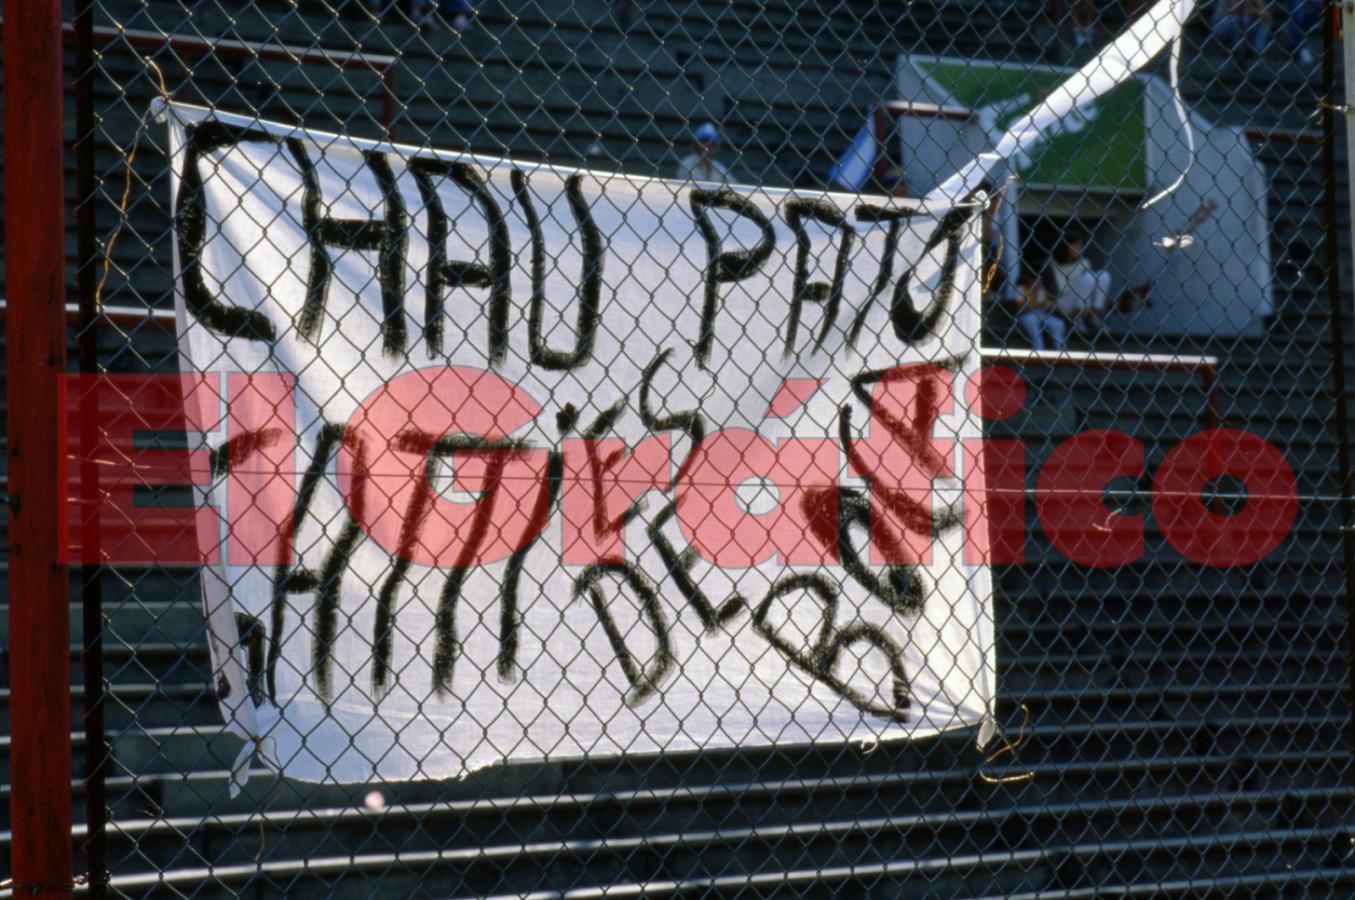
[(1188, 727)]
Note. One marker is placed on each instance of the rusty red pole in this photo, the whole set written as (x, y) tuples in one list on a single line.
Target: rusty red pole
[(35, 337)]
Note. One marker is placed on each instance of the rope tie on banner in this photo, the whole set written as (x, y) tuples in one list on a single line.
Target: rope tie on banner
[(1325, 105), (1000, 194), (1174, 69), (128, 158), (1008, 748), (263, 819)]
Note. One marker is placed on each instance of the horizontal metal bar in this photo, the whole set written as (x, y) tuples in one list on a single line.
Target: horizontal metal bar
[(898, 108), (1285, 135), (329, 817), (1092, 360), (132, 315), (344, 59), (874, 781), (1024, 858)]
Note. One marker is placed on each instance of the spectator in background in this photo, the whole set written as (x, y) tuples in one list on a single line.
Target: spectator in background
[(460, 12), (1243, 26), (1081, 293), (457, 12), (1037, 316), (1303, 18), (701, 164), (1079, 29)]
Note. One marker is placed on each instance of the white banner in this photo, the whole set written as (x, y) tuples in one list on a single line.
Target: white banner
[(525, 462)]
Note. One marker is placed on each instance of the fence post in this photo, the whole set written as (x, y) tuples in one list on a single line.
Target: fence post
[(39, 614), (1347, 34), (87, 347)]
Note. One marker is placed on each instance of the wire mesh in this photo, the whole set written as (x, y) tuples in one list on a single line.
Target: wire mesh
[(1169, 721)]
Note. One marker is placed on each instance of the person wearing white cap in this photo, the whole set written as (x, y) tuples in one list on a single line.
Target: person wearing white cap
[(701, 164)]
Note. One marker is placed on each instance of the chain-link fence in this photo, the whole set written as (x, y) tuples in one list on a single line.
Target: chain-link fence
[(526, 448)]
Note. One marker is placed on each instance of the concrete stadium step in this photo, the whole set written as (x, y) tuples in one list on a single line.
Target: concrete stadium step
[(565, 785), (176, 621), (670, 864), (166, 663), (552, 23), (1146, 668), (1075, 706), (702, 837), (1073, 637), (169, 749), (205, 793), (893, 879), (140, 705), (769, 27), (1140, 592), (533, 47), (1334, 881)]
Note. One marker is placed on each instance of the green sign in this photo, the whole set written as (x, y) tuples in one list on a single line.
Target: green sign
[(1099, 146)]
